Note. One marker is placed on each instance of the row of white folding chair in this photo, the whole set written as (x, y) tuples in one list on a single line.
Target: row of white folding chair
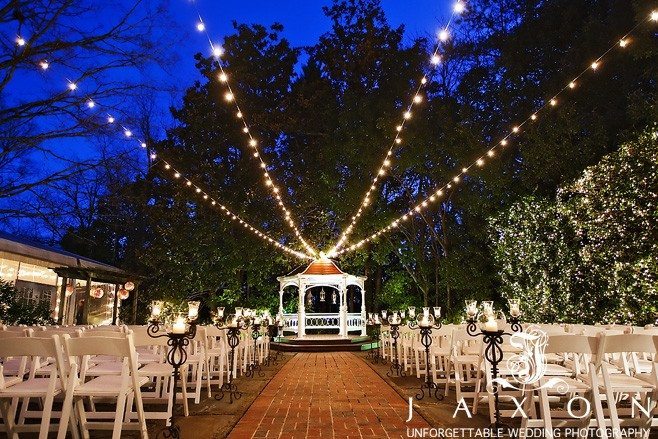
[(78, 350), (600, 387)]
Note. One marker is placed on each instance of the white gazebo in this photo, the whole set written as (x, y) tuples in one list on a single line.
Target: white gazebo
[(325, 274)]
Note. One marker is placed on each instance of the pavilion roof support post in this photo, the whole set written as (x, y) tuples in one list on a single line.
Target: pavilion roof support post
[(62, 301), (87, 299), (115, 306)]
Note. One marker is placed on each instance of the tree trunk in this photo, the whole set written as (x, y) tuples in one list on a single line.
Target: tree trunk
[(378, 288)]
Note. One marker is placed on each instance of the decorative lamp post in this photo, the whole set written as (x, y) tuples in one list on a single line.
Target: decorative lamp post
[(179, 333), (492, 336), (256, 323), (426, 323), (394, 322), (376, 323), (233, 325)]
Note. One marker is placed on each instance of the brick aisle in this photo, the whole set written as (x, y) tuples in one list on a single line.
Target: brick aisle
[(326, 395)]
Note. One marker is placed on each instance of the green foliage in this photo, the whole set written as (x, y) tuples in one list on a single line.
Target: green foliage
[(17, 311), (592, 253)]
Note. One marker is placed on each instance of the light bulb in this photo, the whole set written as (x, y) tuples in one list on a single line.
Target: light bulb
[(223, 77), (387, 162), (189, 183), (238, 114), (515, 129), (553, 102), (72, 86), (444, 35), (533, 117), (20, 41), (654, 15), (490, 153), (44, 65), (503, 142), (200, 26), (245, 130), (91, 104), (128, 133), (398, 128), (153, 156), (436, 59), (623, 42), (423, 80), (167, 166), (217, 51), (252, 142), (177, 175), (480, 162), (398, 140), (459, 7), (110, 119), (229, 97), (418, 99), (595, 65), (143, 144), (407, 115)]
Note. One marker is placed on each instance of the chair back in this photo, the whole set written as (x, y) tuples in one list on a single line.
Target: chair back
[(33, 349)]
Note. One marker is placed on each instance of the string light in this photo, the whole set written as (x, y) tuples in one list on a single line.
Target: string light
[(229, 97), (417, 98), (20, 41), (91, 103), (480, 162), (72, 86), (218, 51), (44, 64), (200, 26), (233, 216), (110, 119)]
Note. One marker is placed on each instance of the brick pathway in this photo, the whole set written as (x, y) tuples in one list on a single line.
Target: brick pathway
[(327, 395)]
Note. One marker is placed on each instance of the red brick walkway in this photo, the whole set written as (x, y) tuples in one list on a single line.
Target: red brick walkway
[(329, 395)]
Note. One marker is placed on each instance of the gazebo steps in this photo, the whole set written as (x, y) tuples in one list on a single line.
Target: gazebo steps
[(322, 344)]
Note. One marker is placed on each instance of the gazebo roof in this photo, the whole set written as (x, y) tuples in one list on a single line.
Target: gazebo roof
[(322, 267)]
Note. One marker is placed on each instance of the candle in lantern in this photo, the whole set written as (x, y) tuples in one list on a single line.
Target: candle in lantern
[(471, 308), (156, 309), (487, 308), (437, 312), (491, 324), (257, 321), (238, 312), (220, 312), (384, 312), (179, 326), (425, 319), (193, 310), (412, 312), (514, 308)]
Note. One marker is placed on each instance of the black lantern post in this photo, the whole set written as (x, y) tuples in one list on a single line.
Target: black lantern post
[(426, 323), (492, 336), (179, 334), (375, 354), (254, 366), (394, 322), (233, 326)]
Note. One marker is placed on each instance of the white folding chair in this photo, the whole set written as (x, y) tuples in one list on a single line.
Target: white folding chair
[(26, 386), (114, 387)]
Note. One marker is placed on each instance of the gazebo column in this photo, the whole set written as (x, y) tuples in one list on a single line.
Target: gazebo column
[(301, 312), (343, 310), (281, 301), (363, 311)]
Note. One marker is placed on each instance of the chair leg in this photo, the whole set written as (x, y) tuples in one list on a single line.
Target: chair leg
[(8, 419), (118, 418), (82, 418), (170, 401), (47, 412)]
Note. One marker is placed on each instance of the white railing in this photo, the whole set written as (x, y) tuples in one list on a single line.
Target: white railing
[(323, 321)]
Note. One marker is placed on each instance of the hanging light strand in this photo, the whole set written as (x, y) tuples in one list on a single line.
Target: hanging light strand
[(174, 174), (439, 193), (230, 98), (416, 99)]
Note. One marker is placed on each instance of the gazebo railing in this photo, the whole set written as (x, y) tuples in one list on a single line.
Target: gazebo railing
[(323, 321)]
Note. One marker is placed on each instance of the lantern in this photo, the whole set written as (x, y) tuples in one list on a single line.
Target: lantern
[(129, 286), (97, 293), (123, 294)]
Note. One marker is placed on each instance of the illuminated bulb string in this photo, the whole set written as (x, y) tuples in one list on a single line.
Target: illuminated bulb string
[(438, 194), (417, 98), (177, 175), (223, 77)]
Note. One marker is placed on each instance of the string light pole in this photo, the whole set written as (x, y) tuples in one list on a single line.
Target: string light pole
[(233, 326), (394, 322), (426, 323), (492, 337), (179, 335)]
